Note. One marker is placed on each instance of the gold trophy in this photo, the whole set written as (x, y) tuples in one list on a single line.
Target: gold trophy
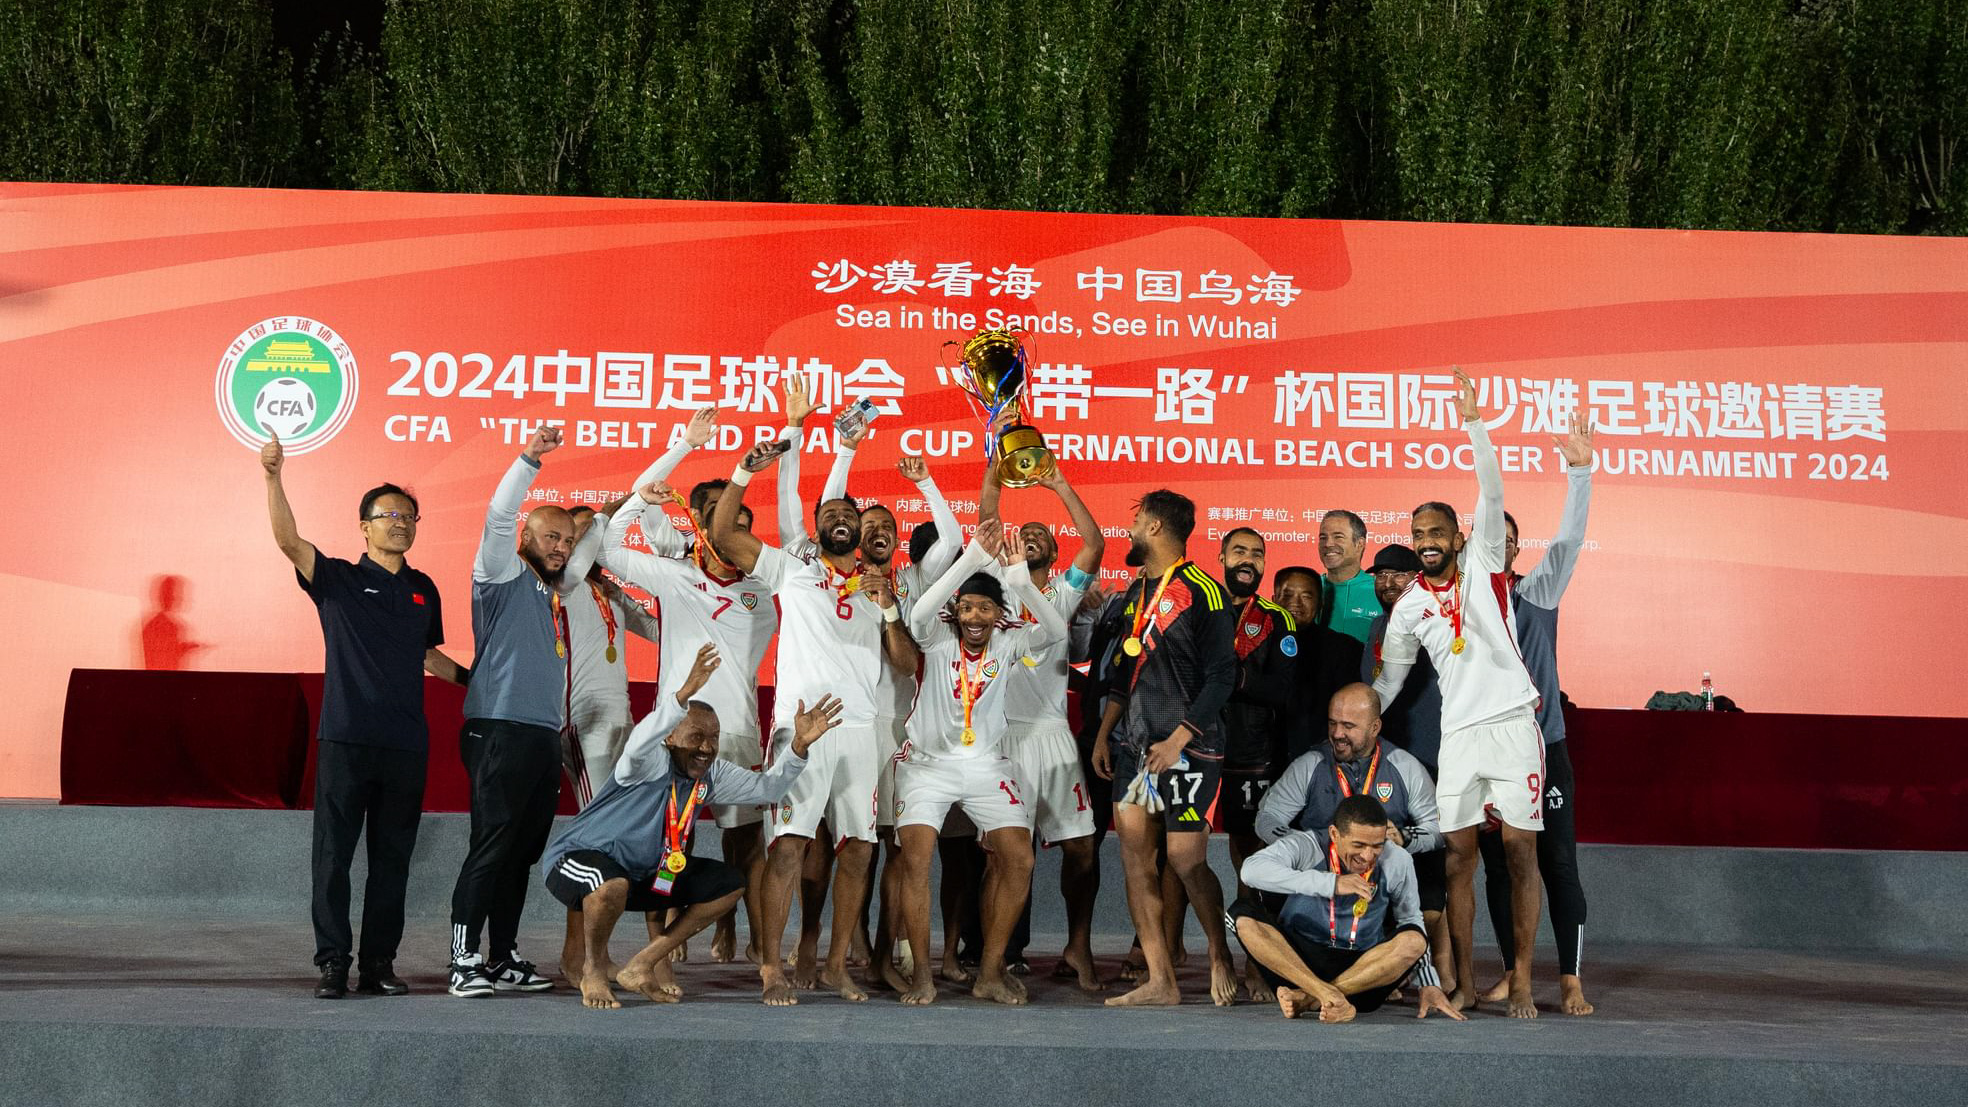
[(993, 376)]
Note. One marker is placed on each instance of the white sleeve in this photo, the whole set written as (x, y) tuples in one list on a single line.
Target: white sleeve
[(1285, 799), (774, 568), (1487, 533), (1545, 584), (836, 485), (498, 554), (928, 611), (793, 534), (663, 536), (644, 570), (1051, 629), (1399, 649), (949, 532), (1288, 865), (575, 575)]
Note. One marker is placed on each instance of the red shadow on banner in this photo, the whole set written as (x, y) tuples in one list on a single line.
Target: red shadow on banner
[(1645, 777)]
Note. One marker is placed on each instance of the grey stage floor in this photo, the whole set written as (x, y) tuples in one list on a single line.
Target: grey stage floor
[(128, 1010)]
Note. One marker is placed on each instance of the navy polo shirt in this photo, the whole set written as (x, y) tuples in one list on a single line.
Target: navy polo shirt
[(376, 626)]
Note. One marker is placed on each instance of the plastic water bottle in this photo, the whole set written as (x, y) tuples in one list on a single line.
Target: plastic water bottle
[(1708, 693)]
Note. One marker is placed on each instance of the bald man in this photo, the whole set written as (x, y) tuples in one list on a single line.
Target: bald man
[(515, 712)]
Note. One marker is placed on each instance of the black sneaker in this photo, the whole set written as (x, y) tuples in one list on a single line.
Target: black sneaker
[(334, 981), (515, 975), (379, 979), (469, 980), (1019, 967)]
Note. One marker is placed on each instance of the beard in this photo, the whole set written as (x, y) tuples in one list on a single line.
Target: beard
[(839, 546), (1242, 581), (551, 576), (1137, 554)]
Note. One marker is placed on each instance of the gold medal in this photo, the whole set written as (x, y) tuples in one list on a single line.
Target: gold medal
[(1456, 646), (560, 648), (677, 860), (611, 655), (1029, 661), (1131, 647), (969, 737), (1377, 668), (1360, 907)]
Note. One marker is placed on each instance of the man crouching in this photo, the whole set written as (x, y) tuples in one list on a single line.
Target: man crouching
[(1340, 941), (629, 849)]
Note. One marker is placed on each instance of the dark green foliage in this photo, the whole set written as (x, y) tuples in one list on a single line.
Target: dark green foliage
[(1827, 115)]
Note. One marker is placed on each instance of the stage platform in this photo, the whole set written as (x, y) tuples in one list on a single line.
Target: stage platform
[(153, 956)]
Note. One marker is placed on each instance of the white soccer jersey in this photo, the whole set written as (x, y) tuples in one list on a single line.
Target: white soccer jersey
[(830, 638), (737, 616), (936, 725), (1487, 679), (1038, 685)]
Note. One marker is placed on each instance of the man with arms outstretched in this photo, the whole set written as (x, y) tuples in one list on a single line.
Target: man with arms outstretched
[(1492, 758)]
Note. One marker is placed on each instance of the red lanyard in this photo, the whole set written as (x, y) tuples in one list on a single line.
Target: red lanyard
[(964, 689), (559, 622), (607, 617), (1452, 607), (677, 827), (1144, 616), (850, 583), (1366, 787), (1359, 902), (700, 550)]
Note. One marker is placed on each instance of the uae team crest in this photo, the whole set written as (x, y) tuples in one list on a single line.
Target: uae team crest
[(288, 376)]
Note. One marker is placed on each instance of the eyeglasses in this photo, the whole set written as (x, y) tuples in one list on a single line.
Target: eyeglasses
[(392, 516)]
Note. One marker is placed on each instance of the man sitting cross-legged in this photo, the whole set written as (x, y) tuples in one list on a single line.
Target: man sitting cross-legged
[(1340, 941), (629, 849)]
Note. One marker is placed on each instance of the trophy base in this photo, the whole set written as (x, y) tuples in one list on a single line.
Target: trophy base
[(1023, 459)]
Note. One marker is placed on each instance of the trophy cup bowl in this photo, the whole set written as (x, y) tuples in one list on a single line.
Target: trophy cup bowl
[(993, 375)]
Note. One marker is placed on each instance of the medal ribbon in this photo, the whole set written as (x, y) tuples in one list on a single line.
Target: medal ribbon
[(1332, 905), (964, 689), (1452, 609), (559, 622), (850, 583), (607, 616), (677, 827), (1143, 617), (700, 549), (1366, 786)]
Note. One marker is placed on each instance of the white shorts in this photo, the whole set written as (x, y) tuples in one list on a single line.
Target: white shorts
[(838, 786), (1495, 765), (588, 754), (1051, 759), (747, 752), (991, 790), (894, 733)]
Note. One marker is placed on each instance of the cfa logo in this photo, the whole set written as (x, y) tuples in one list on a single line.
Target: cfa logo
[(289, 376)]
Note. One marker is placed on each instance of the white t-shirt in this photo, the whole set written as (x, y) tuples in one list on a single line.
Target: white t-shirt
[(737, 616), (1038, 690), (936, 725), (830, 638), (601, 686), (1487, 680)]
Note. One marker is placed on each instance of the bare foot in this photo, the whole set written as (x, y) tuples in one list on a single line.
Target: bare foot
[(892, 976), (665, 979), (724, 944), (1149, 994), (1571, 996), (1498, 992), (649, 984), (1000, 988), (1260, 992), (920, 993), (806, 974), (1134, 966), (1223, 983), (681, 953), (843, 984), (1293, 1002), (954, 972), (595, 992), (1178, 957), (1397, 996), (1077, 965), (1336, 1010), (1463, 999), (776, 992), (857, 949), (1521, 1006)]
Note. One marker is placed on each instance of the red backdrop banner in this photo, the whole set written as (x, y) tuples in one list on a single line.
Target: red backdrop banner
[(1781, 416)]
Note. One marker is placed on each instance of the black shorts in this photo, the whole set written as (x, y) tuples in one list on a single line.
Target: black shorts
[(579, 874), (1432, 878), (1242, 794), (1189, 794), (1326, 962)]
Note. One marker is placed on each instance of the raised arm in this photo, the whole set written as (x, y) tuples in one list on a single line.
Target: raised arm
[(733, 785), (286, 534), (1052, 625), (1093, 544), (927, 615), (1486, 534), (733, 543), (663, 536), (1545, 584), (641, 569), (644, 757), (498, 550), (949, 533)]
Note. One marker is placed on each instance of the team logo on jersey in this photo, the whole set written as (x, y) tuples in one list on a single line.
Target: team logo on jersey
[(1253, 629), (1288, 645), (1168, 605), (288, 376), (1384, 791), (898, 809), (990, 669), (786, 813), (749, 599)]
